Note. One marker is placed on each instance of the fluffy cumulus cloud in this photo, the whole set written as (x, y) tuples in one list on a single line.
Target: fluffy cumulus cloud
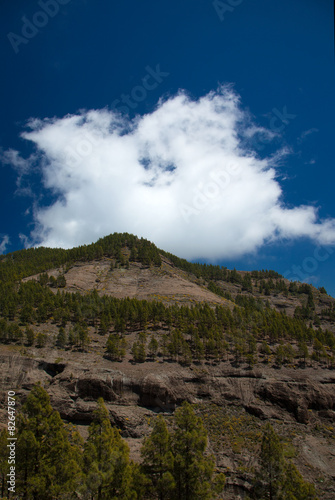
[(180, 176)]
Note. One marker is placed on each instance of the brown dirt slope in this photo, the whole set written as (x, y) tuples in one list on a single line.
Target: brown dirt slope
[(167, 284)]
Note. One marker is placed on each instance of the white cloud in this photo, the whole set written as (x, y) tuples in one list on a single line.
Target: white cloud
[(179, 176), (4, 243), (306, 133), (23, 168)]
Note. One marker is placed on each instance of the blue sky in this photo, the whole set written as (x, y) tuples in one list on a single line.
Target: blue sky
[(204, 126)]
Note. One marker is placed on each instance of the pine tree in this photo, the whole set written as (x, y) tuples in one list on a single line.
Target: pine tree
[(163, 345), (27, 313), (138, 352), (105, 323), (61, 337), (116, 347), (294, 487), (247, 283), (271, 465), (49, 464), (72, 337), (79, 336), (158, 459), (192, 470), (289, 353), (198, 346), (186, 353), (61, 281), (280, 355), (41, 339), (43, 279), (106, 457), (318, 350), (265, 349), (153, 347), (30, 336)]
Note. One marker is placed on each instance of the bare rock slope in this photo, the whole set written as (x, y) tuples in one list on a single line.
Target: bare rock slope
[(237, 401), (167, 284)]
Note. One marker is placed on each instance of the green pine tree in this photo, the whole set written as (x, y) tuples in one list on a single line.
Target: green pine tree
[(49, 464), (271, 465), (158, 459), (138, 352), (61, 337), (153, 347), (294, 487), (109, 473), (41, 339), (30, 336), (116, 347), (192, 470)]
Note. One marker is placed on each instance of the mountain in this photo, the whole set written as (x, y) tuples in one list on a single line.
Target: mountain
[(145, 330)]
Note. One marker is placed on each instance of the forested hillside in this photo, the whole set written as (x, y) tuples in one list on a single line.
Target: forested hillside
[(159, 353), (191, 333), (18, 265)]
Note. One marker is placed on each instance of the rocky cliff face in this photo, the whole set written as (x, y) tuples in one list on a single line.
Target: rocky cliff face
[(299, 402)]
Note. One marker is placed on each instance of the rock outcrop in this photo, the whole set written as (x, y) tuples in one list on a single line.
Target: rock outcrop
[(300, 399)]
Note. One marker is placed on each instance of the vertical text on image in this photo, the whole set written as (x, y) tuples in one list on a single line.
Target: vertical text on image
[(12, 441)]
